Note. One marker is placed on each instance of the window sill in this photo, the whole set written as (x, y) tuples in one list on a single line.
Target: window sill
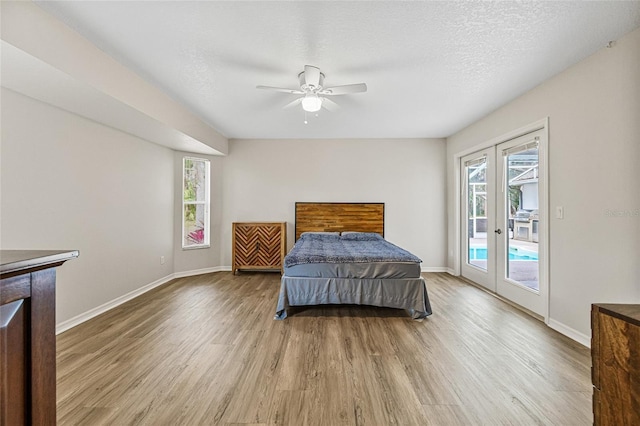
[(197, 247)]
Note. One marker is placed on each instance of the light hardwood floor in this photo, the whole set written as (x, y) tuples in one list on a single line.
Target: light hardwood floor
[(205, 350)]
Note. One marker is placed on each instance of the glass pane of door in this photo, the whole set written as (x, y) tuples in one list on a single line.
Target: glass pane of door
[(521, 192), (477, 206), (477, 217)]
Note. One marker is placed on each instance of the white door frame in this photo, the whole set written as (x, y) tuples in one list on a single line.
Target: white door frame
[(543, 212)]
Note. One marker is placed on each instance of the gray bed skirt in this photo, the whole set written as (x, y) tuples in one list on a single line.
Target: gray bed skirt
[(401, 293)]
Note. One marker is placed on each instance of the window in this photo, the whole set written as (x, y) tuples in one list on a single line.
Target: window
[(195, 203)]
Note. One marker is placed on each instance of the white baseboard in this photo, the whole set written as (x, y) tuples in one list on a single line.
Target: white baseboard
[(556, 325), (451, 271), (434, 269), (570, 332), (201, 271), (79, 319)]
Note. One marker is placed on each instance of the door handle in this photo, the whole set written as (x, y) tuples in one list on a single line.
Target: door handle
[(498, 231)]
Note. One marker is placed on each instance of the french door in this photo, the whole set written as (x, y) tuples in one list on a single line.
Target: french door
[(478, 220), (504, 218)]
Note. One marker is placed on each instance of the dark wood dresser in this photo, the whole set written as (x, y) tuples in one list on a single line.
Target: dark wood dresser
[(28, 335), (615, 371), (258, 245)]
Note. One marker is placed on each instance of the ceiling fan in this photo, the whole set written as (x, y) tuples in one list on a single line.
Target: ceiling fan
[(313, 91)]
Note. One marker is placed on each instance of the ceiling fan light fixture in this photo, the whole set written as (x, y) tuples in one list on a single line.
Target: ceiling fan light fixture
[(311, 102), (313, 93)]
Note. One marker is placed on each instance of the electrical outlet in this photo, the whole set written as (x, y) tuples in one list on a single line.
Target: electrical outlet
[(162, 260), (559, 212)]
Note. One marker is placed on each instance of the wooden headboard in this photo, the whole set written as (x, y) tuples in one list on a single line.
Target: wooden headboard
[(339, 217)]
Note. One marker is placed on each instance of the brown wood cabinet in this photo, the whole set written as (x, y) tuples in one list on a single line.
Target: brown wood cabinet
[(28, 335), (258, 245), (615, 371)]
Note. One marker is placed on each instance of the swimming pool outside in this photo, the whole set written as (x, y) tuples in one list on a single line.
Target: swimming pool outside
[(480, 253)]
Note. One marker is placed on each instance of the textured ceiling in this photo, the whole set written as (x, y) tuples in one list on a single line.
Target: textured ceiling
[(432, 68)]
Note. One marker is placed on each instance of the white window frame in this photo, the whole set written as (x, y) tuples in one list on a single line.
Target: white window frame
[(205, 203)]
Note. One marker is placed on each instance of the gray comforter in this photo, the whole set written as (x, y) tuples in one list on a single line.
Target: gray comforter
[(408, 293), (348, 248)]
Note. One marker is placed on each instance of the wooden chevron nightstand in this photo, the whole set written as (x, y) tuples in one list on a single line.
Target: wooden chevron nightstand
[(258, 245)]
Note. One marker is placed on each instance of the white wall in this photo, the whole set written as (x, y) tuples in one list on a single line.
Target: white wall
[(70, 183), (198, 259), (594, 122), (264, 178), (132, 102)]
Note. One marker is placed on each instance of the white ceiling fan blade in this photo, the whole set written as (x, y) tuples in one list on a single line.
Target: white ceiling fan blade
[(329, 105), (344, 90), (312, 75), (293, 103), (282, 89)]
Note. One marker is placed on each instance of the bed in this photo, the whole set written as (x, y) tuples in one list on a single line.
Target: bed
[(341, 257)]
